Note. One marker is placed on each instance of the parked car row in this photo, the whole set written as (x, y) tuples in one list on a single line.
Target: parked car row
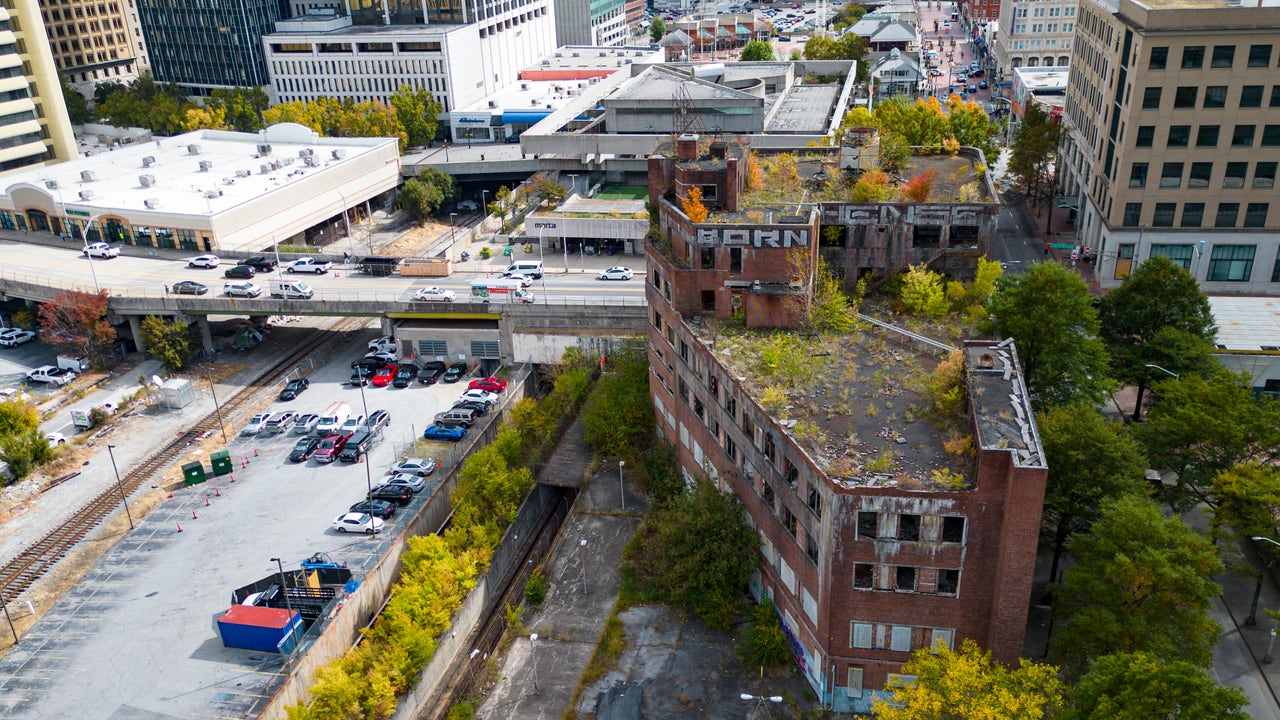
[(13, 337), (474, 403), (397, 489)]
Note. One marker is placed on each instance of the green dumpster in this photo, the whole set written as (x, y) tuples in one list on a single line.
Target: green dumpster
[(222, 464), (193, 473)]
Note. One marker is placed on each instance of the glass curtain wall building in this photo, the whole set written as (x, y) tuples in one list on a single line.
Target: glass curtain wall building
[(207, 44)]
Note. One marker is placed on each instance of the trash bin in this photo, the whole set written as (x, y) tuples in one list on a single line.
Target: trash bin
[(193, 473), (221, 462)]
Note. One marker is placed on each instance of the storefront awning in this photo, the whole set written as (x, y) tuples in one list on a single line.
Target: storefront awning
[(530, 117)]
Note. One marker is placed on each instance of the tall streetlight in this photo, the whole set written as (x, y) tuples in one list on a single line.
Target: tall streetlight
[(119, 485), (368, 474), (88, 225), (760, 700), (452, 240), (1166, 371), (217, 407), (622, 491), (1270, 643), (533, 659)]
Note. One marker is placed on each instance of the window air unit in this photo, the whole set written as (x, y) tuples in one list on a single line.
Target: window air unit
[(193, 149), (88, 175), (86, 194), (264, 149), (206, 165), (151, 203), (146, 181), (148, 161)]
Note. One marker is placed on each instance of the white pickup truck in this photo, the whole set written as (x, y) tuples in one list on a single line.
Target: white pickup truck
[(308, 264), (51, 374), (101, 250)]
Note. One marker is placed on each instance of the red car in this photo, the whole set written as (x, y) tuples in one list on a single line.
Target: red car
[(383, 376), (489, 384)]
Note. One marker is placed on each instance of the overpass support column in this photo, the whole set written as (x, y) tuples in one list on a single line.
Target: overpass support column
[(135, 327), (388, 326), (206, 338)]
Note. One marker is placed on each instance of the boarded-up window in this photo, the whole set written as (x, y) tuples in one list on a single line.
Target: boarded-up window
[(900, 638), (860, 635), (855, 682)]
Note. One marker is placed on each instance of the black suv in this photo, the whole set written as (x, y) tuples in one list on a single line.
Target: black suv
[(243, 272), (405, 375), (378, 508), (431, 372), (260, 263), (358, 445), (294, 388), (397, 494), (455, 372)]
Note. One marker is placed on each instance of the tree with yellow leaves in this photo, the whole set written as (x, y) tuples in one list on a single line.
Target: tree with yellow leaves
[(968, 684), (693, 206)]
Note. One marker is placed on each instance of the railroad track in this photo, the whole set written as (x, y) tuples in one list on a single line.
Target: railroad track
[(38, 558)]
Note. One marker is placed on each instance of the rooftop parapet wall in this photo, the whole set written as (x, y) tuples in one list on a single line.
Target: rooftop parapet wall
[(999, 405)]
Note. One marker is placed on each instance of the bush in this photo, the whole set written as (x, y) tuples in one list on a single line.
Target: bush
[(705, 577), (24, 451), (535, 588), (618, 416), (763, 642)]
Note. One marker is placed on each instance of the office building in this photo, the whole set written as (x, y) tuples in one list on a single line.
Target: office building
[(881, 532), (591, 22), (209, 45), (93, 41), (459, 56), (34, 129), (1034, 33), (1173, 139)]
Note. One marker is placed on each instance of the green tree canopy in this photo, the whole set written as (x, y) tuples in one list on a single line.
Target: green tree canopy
[(1032, 157), (419, 198), (18, 416), (77, 105), (847, 15), (1142, 584), (845, 47), (950, 684), (1158, 316), (1142, 686), (170, 341), (657, 29), (418, 112), (1199, 427), (618, 415), (757, 50), (147, 104), (1049, 313), (241, 107), (1091, 460), (705, 577), (1248, 506)]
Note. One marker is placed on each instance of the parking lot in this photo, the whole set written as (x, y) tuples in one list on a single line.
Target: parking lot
[(150, 606)]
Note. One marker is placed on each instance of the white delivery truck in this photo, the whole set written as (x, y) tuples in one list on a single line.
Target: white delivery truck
[(291, 290), (499, 290), (332, 418), (72, 363)]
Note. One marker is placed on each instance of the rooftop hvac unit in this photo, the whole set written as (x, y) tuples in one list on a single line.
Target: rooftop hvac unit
[(576, 55), (146, 180), (264, 168), (339, 154), (212, 193), (603, 53), (286, 161), (148, 161), (88, 175), (546, 63), (86, 194), (193, 149), (243, 173), (51, 184), (264, 149), (493, 103), (310, 161), (205, 165), (306, 152), (524, 86), (151, 203), (593, 81)]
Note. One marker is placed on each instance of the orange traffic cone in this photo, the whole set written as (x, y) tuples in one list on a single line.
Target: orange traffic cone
[(179, 526), (217, 493), (194, 516), (206, 501), (255, 452)]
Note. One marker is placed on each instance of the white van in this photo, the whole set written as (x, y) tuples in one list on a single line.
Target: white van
[(532, 268), (291, 290), (332, 418)]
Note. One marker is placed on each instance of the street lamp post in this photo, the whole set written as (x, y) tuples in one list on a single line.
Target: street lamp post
[(622, 491), (368, 474), (582, 553), (1270, 643), (217, 407), (119, 485), (760, 700), (88, 225), (533, 659), (452, 240)]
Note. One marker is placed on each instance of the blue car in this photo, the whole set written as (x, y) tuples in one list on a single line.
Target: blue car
[(441, 432)]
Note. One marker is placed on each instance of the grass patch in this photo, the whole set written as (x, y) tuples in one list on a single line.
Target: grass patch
[(609, 649)]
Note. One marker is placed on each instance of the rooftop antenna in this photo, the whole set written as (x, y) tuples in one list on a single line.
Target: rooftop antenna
[(684, 119)]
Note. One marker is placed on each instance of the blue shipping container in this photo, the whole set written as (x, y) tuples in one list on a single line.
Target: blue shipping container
[(261, 628)]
